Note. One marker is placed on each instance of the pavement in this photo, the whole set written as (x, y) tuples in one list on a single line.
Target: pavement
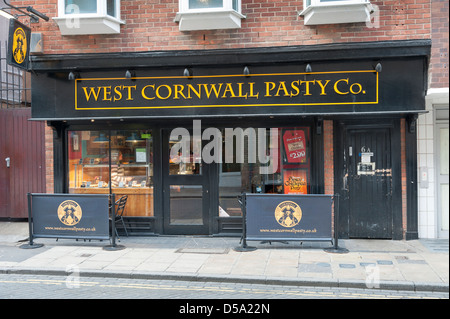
[(415, 265)]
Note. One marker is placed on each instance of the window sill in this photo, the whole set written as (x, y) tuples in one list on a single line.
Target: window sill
[(210, 20), (337, 13), (88, 25)]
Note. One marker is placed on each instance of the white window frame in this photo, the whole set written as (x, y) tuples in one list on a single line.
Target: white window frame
[(331, 2), (227, 5), (89, 23), (209, 18), (337, 11)]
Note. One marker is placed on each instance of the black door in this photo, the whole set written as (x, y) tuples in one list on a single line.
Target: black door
[(366, 182), (185, 187)]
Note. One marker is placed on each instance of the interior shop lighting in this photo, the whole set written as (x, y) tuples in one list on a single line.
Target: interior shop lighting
[(133, 138), (101, 139)]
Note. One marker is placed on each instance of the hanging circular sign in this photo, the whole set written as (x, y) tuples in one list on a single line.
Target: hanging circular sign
[(19, 45)]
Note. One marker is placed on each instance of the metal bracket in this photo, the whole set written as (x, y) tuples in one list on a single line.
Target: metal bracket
[(34, 14)]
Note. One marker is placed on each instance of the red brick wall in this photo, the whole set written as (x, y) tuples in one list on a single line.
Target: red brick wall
[(328, 152), (150, 27), (49, 171), (328, 165), (439, 51)]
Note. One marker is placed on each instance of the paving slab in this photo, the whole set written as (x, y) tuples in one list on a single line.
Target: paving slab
[(389, 264)]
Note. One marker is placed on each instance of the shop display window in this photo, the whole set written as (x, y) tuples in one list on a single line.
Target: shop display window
[(186, 204), (120, 162), (185, 158), (289, 147)]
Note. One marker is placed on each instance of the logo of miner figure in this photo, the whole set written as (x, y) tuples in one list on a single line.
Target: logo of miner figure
[(19, 45), (288, 214), (69, 213)]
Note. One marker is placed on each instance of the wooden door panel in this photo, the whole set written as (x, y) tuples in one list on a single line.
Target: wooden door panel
[(23, 142), (369, 184)]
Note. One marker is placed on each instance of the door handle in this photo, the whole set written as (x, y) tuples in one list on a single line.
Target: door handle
[(345, 182), (8, 162)]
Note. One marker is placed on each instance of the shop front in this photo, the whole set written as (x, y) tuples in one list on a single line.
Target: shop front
[(183, 134), (187, 179)]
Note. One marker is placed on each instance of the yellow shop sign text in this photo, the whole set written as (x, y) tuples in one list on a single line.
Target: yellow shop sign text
[(351, 87)]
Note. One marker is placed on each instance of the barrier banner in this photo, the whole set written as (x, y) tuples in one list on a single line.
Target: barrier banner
[(70, 216), (274, 217)]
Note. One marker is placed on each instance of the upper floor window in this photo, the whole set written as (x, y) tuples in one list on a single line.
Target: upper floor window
[(336, 11), (88, 16), (97, 7), (209, 4), (209, 14), (202, 4)]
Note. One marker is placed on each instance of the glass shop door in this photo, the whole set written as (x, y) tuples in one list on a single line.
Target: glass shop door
[(186, 188)]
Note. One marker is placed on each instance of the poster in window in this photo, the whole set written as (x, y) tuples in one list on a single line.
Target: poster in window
[(141, 155), (294, 143), (295, 181)]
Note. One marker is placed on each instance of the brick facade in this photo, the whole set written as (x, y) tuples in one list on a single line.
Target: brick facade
[(328, 152), (149, 26), (49, 160), (439, 52)]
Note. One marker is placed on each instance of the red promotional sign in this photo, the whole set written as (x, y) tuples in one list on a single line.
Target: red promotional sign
[(295, 146)]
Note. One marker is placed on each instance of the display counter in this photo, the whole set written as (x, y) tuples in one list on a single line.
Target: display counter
[(139, 203)]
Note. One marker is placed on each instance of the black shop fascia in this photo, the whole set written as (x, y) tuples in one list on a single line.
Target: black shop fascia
[(116, 113)]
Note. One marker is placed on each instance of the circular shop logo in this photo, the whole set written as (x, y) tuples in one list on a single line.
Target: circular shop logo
[(69, 213), (288, 214), (19, 45)]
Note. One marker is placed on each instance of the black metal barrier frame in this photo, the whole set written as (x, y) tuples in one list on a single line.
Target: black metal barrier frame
[(33, 216), (242, 199)]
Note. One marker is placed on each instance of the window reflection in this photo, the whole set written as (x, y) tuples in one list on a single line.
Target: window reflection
[(290, 148), (82, 6), (185, 155), (202, 4), (186, 205), (118, 160)]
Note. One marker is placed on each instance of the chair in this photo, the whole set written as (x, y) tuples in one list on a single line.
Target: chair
[(120, 208)]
